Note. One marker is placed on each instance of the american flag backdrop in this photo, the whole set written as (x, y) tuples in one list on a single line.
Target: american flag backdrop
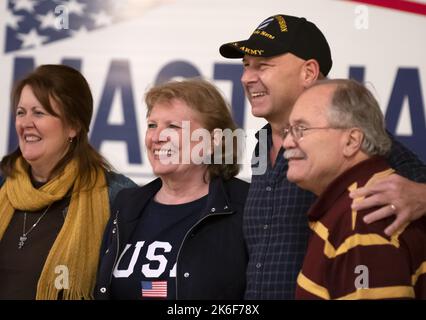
[(34, 23), (123, 47)]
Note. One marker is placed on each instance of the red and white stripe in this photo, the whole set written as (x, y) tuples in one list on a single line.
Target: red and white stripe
[(412, 6)]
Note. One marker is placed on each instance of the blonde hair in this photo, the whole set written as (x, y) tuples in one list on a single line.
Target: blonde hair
[(211, 108)]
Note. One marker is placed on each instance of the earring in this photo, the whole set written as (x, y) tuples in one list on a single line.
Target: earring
[(70, 139)]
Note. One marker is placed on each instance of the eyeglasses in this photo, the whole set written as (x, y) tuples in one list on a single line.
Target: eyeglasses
[(297, 131)]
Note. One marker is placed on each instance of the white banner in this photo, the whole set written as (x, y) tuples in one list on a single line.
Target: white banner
[(124, 49)]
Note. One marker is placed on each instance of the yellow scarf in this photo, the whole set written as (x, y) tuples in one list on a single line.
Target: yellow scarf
[(76, 248)]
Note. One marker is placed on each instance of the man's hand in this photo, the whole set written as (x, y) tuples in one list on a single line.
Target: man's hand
[(396, 196)]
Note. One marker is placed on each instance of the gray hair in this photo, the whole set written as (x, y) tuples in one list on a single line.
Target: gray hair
[(353, 105)]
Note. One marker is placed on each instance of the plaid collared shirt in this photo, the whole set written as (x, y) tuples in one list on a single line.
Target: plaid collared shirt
[(276, 225)]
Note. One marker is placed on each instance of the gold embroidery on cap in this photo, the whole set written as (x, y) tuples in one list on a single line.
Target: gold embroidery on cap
[(252, 52), (281, 22), (264, 34)]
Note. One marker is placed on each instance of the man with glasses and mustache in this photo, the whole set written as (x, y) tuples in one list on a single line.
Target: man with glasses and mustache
[(335, 143), (283, 57)]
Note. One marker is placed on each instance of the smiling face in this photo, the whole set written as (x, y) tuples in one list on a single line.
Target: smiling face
[(318, 158), (272, 85), (167, 137), (43, 137)]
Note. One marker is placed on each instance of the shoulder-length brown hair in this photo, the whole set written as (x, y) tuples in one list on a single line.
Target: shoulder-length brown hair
[(70, 90), (213, 111)]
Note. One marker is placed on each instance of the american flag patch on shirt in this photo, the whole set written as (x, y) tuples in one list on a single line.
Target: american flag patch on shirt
[(154, 289)]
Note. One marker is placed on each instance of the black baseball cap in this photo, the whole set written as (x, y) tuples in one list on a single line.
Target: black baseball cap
[(280, 34)]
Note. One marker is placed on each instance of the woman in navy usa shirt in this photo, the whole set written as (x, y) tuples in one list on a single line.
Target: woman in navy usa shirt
[(180, 236)]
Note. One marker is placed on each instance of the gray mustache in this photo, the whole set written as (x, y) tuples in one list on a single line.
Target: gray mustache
[(294, 153)]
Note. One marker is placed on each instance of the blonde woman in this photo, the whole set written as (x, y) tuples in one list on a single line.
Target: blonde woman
[(180, 236)]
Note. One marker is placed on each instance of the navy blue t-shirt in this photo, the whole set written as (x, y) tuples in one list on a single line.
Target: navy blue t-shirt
[(146, 268)]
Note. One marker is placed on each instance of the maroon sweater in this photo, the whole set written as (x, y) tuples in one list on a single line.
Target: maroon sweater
[(348, 259)]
